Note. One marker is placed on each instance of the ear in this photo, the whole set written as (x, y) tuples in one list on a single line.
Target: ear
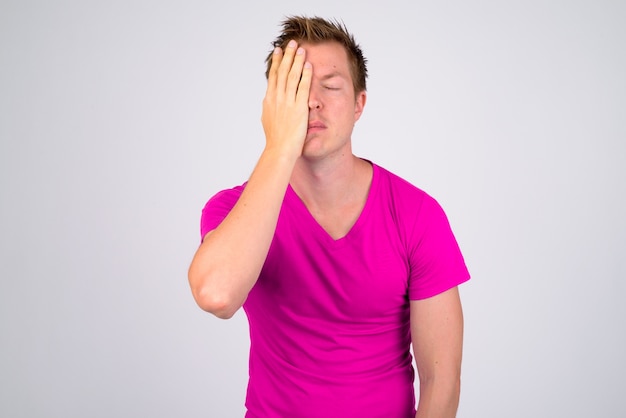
[(359, 104)]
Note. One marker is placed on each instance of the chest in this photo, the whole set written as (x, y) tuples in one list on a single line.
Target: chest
[(338, 223), (360, 277)]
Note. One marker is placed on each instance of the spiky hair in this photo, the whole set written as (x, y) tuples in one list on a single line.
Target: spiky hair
[(316, 30)]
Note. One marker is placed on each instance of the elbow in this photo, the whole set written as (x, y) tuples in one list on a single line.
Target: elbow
[(450, 384), (444, 391), (219, 303), (215, 303)]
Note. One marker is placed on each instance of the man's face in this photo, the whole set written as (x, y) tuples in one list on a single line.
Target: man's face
[(333, 106)]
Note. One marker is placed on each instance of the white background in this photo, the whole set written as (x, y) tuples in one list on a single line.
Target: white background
[(119, 119)]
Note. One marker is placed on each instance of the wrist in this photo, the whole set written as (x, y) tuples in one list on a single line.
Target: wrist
[(287, 155)]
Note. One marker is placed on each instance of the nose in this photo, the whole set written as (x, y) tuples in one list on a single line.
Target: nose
[(314, 100), (314, 104)]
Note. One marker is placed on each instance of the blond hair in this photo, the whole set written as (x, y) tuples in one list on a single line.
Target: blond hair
[(316, 30)]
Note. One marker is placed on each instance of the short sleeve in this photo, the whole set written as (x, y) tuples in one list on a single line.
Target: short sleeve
[(217, 208), (436, 262)]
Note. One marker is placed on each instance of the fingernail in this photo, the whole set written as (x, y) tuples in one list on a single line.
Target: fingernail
[(292, 44), (300, 51), (307, 65), (277, 50)]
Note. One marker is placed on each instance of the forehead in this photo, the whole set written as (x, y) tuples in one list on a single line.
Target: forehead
[(327, 57)]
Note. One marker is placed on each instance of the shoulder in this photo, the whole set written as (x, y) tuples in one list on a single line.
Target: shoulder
[(218, 206), (225, 198), (434, 258), (402, 194), (415, 213)]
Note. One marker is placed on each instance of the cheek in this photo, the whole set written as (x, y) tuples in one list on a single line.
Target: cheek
[(339, 102)]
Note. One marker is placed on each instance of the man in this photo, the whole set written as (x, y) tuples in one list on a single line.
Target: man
[(339, 264)]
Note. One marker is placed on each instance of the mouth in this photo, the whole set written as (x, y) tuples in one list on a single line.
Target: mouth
[(315, 126)]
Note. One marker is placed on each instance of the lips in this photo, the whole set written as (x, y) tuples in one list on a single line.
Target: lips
[(315, 126)]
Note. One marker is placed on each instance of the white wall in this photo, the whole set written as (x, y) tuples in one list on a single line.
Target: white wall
[(119, 119)]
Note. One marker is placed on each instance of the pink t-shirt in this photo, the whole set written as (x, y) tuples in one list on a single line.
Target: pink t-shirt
[(329, 319)]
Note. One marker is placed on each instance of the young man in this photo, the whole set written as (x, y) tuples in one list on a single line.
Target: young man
[(339, 264)]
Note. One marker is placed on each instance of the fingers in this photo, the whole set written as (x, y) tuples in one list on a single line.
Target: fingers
[(286, 71), (273, 74), (304, 87), (295, 73), (285, 66), (285, 106)]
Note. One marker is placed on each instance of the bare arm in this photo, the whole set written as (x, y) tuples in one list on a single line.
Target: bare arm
[(437, 334), (229, 260)]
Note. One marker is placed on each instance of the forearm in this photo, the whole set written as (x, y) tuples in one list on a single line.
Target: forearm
[(438, 399), (437, 334), (227, 264)]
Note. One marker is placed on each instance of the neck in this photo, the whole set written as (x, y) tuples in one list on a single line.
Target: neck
[(325, 185)]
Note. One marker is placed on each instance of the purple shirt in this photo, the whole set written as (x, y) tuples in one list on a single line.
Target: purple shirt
[(329, 319)]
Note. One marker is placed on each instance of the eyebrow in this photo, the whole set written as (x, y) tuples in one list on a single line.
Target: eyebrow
[(331, 75)]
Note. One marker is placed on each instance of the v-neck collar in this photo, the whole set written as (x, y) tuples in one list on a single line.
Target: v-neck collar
[(304, 215)]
